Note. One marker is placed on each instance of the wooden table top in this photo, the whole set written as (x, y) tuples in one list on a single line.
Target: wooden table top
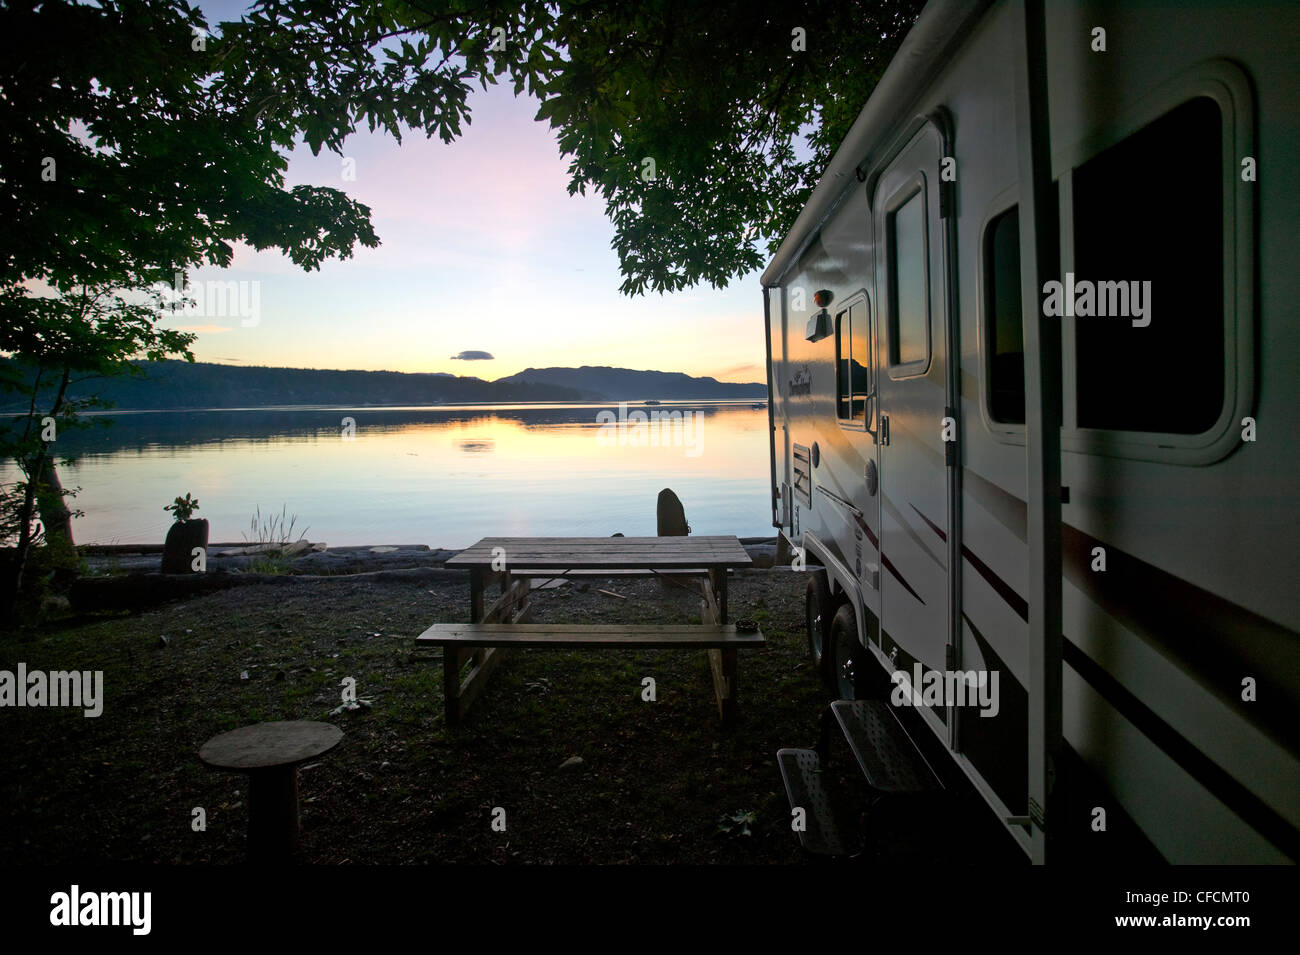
[(263, 745), (612, 553)]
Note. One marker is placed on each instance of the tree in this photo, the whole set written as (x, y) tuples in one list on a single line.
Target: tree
[(687, 119), (57, 342), (120, 169), (703, 126), (131, 131), (137, 142)]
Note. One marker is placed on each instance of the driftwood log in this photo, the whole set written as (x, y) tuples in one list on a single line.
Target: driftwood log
[(138, 591)]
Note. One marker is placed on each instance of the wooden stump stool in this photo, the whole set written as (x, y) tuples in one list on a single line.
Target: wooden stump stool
[(270, 754)]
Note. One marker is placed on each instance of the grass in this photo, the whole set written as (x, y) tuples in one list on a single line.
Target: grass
[(275, 563), (403, 787), (660, 782), (275, 530)]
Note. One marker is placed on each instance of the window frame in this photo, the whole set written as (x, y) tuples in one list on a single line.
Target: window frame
[(1228, 87), (1006, 431), (899, 198), (857, 299)]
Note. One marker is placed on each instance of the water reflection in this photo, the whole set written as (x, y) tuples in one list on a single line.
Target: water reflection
[(441, 476)]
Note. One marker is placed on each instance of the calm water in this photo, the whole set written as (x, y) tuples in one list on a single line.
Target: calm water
[(441, 476)]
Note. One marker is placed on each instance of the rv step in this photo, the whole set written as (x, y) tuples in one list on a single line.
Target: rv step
[(887, 755), (828, 829)]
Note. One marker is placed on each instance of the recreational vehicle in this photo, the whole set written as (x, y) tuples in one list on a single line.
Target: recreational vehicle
[(1034, 366)]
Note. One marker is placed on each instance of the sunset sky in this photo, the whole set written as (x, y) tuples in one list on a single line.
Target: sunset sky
[(482, 249)]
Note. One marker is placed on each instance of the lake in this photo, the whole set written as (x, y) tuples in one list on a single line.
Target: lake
[(443, 476)]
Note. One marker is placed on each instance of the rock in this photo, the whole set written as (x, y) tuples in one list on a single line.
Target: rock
[(571, 762), (670, 515), (244, 550), (56, 603), (295, 548)]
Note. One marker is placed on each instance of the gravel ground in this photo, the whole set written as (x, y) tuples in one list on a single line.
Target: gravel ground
[(585, 770)]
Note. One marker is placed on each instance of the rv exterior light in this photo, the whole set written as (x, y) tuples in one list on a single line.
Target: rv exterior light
[(822, 297), (819, 326)]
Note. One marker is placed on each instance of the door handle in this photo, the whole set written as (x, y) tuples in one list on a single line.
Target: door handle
[(867, 400)]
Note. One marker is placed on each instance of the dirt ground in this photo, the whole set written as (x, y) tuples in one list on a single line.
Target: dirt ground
[(658, 781)]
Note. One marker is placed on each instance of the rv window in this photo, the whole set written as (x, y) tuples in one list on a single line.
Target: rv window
[(861, 325), (1154, 361), (908, 308), (1003, 326), (852, 362)]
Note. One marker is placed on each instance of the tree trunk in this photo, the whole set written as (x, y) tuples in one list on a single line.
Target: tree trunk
[(44, 492), (182, 539), (13, 576), (56, 516)]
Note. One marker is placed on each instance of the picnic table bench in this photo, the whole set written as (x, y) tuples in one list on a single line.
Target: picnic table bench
[(515, 561)]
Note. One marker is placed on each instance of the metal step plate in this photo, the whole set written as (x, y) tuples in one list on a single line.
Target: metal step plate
[(888, 757), (829, 830)]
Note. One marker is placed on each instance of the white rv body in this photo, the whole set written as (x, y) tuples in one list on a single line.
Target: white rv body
[(1180, 470)]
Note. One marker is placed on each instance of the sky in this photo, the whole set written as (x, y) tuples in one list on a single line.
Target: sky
[(482, 250)]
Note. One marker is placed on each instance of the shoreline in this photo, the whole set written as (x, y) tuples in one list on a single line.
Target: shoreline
[(315, 559)]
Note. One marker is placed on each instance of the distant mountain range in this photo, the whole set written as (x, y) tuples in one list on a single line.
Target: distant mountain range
[(179, 385), (624, 384)]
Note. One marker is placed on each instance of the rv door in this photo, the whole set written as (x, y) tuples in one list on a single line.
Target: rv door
[(913, 394)]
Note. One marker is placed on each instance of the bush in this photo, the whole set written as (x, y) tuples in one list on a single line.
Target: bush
[(51, 568)]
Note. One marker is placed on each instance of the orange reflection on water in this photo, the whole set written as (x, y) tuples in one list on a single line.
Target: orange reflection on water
[(443, 477)]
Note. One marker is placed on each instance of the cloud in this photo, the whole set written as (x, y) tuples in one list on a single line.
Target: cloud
[(473, 356)]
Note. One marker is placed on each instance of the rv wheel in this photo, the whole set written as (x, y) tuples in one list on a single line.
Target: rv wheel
[(818, 608), (845, 653)]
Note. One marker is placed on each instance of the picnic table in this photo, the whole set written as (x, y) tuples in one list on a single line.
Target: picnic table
[(515, 562)]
